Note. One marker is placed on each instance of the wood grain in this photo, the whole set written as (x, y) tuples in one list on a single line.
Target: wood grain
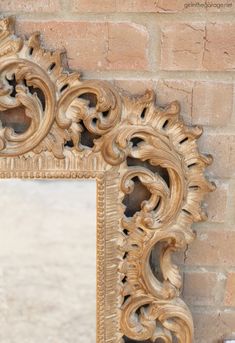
[(88, 128)]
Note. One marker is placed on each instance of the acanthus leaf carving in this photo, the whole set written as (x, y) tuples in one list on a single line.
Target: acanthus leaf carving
[(93, 121)]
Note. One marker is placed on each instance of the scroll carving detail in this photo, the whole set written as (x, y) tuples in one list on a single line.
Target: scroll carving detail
[(61, 109)]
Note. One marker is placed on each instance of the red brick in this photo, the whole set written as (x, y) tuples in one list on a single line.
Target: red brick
[(216, 203), (182, 46), (134, 87), (231, 202), (219, 47), (142, 6), (212, 248), (214, 326), (210, 101), (121, 6), (181, 90), (206, 327), (39, 6), (159, 6), (94, 45), (197, 46), (127, 46), (201, 102), (222, 147), (92, 6), (230, 290), (85, 47), (165, 90), (227, 320), (202, 288)]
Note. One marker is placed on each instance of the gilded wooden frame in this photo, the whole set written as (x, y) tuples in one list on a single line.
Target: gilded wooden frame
[(131, 140)]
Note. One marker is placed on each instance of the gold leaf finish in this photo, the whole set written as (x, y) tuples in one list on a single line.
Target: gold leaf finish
[(82, 129)]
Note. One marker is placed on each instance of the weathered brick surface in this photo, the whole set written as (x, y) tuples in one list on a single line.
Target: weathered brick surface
[(219, 47), (39, 6), (182, 46), (114, 6), (160, 6), (227, 320), (207, 249), (95, 45), (213, 326), (134, 87), (198, 46), (206, 326), (217, 200), (210, 100), (181, 90), (127, 47), (202, 288), (229, 299), (222, 147), (201, 102), (88, 6)]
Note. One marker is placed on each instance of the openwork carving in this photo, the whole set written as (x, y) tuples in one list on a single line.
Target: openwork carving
[(75, 128)]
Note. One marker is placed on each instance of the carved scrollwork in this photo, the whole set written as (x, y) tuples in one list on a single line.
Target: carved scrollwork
[(96, 122), (151, 307), (26, 71)]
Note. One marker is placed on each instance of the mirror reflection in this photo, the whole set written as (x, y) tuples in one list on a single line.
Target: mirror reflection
[(47, 261)]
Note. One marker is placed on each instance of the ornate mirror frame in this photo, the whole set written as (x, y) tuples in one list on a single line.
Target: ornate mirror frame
[(88, 129)]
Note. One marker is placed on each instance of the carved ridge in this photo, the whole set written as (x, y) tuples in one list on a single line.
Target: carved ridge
[(79, 128)]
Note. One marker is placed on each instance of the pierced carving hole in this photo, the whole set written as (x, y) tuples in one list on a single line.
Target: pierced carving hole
[(154, 260), (164, 126), (143, 113), (194, 187), (12, 82), (105, 114), (135, 141), (125, 298), (94, 121), (126, 232), (192, 165), (128, 340), (16, 119), (51, 67), (92, 98), (183, 140), (186, 211), (92, 102), (134, 200), (39, 93), (124, 279), (131, 161), (140, 229), (125, 255), (64, 87), (69, 144), (134, 245), (31, 51), (158, 204), (87, 138)]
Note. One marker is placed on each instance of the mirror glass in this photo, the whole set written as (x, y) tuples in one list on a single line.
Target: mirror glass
[(47, 261)]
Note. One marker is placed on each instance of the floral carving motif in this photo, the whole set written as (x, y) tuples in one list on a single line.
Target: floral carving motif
[(92, 119)]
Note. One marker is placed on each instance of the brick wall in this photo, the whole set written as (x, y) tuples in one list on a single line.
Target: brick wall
[(185, 53)]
